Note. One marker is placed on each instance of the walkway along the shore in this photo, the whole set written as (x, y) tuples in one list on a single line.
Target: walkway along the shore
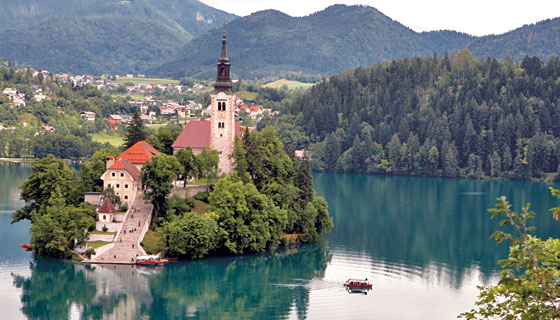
[(126, 245)]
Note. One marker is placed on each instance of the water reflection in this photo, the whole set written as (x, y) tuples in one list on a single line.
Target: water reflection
[(264, 286), (434, 224)]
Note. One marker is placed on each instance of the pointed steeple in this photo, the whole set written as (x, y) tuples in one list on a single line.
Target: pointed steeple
[(223, 81)]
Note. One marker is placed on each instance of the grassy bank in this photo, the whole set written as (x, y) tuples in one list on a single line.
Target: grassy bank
[(289, 84), (113, 138)]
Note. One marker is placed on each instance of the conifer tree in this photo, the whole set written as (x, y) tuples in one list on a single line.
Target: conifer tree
[(135, 131)]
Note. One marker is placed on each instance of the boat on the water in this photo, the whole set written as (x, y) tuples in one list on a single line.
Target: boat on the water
[(149, 261), (358, 283), (26, 247)]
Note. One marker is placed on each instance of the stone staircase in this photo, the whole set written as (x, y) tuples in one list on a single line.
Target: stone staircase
[(126, 245)]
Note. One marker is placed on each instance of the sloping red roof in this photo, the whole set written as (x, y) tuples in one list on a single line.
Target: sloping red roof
[(129, 167), (106, 207), (196, 134), (140, 152)]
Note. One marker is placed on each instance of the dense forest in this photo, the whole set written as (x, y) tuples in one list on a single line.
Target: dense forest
[(87, 36), (451, 116)]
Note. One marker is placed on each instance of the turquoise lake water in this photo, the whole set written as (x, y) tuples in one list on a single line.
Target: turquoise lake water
[(422, 242)]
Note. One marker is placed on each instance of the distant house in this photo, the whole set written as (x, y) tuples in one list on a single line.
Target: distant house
[(39, 97), (147, 118), (115, 119), (88, 115), (48, 128), (183, 112), (9, 92), (24, 123), (18, 102), (165, 109), (199, 86), (300, 154)]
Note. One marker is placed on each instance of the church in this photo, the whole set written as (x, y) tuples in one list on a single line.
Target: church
[(218, 133)]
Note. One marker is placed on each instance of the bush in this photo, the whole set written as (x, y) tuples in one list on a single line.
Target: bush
[(124, 207), (201, 238), (203, 196), (90, 252)]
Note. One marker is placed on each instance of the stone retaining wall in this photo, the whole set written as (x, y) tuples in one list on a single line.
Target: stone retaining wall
[(111, 227), (101, 250), (101, 237), (188, 191)]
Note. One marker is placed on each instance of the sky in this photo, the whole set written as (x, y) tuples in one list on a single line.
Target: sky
[(475, 17)]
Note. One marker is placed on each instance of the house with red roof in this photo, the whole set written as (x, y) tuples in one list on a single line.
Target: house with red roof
[(123, 171)]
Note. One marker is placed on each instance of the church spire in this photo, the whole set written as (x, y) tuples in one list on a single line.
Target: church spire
[(223, 81)]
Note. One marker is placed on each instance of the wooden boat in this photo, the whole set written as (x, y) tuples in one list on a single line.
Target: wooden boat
[(149, 261), (26, 247), (358, 283)]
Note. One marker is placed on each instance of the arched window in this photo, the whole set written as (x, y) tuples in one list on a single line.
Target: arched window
[(219, 106), (224, 107)]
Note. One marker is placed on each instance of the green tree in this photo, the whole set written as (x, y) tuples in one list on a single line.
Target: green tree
[(528, 286), (60, 230), (248, 220), (135, 131), (158, 175), (51, 178), (90, 172), (192, 235), (207, 165), (188, 162)]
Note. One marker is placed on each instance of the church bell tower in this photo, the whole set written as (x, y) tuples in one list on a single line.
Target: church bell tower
[(222, 115)]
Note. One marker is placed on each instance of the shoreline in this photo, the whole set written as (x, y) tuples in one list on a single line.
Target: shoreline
[(18, 160)]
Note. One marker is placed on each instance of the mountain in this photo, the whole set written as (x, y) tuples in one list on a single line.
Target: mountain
[(335, 39), (269, 43), (101, 36), (540, 39)]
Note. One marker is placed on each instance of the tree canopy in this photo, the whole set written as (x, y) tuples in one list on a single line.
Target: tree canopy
[(528, 286), (135, 131)]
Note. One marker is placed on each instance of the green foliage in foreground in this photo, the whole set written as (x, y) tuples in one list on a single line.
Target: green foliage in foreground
[(528, 287)]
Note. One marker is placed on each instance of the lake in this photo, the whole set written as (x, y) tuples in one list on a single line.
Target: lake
[(422, 242)]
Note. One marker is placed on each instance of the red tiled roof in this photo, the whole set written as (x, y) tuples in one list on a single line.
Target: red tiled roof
[(125, 165), (140, 152), (196, 134), (106, 207)]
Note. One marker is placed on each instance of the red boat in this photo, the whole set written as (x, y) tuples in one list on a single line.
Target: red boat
[(149, 261), (26, 247), (358, 283)]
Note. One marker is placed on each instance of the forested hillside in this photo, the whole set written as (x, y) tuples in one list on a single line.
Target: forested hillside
[(100, 36), (340, 37), (450, 115), (269, 43)]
